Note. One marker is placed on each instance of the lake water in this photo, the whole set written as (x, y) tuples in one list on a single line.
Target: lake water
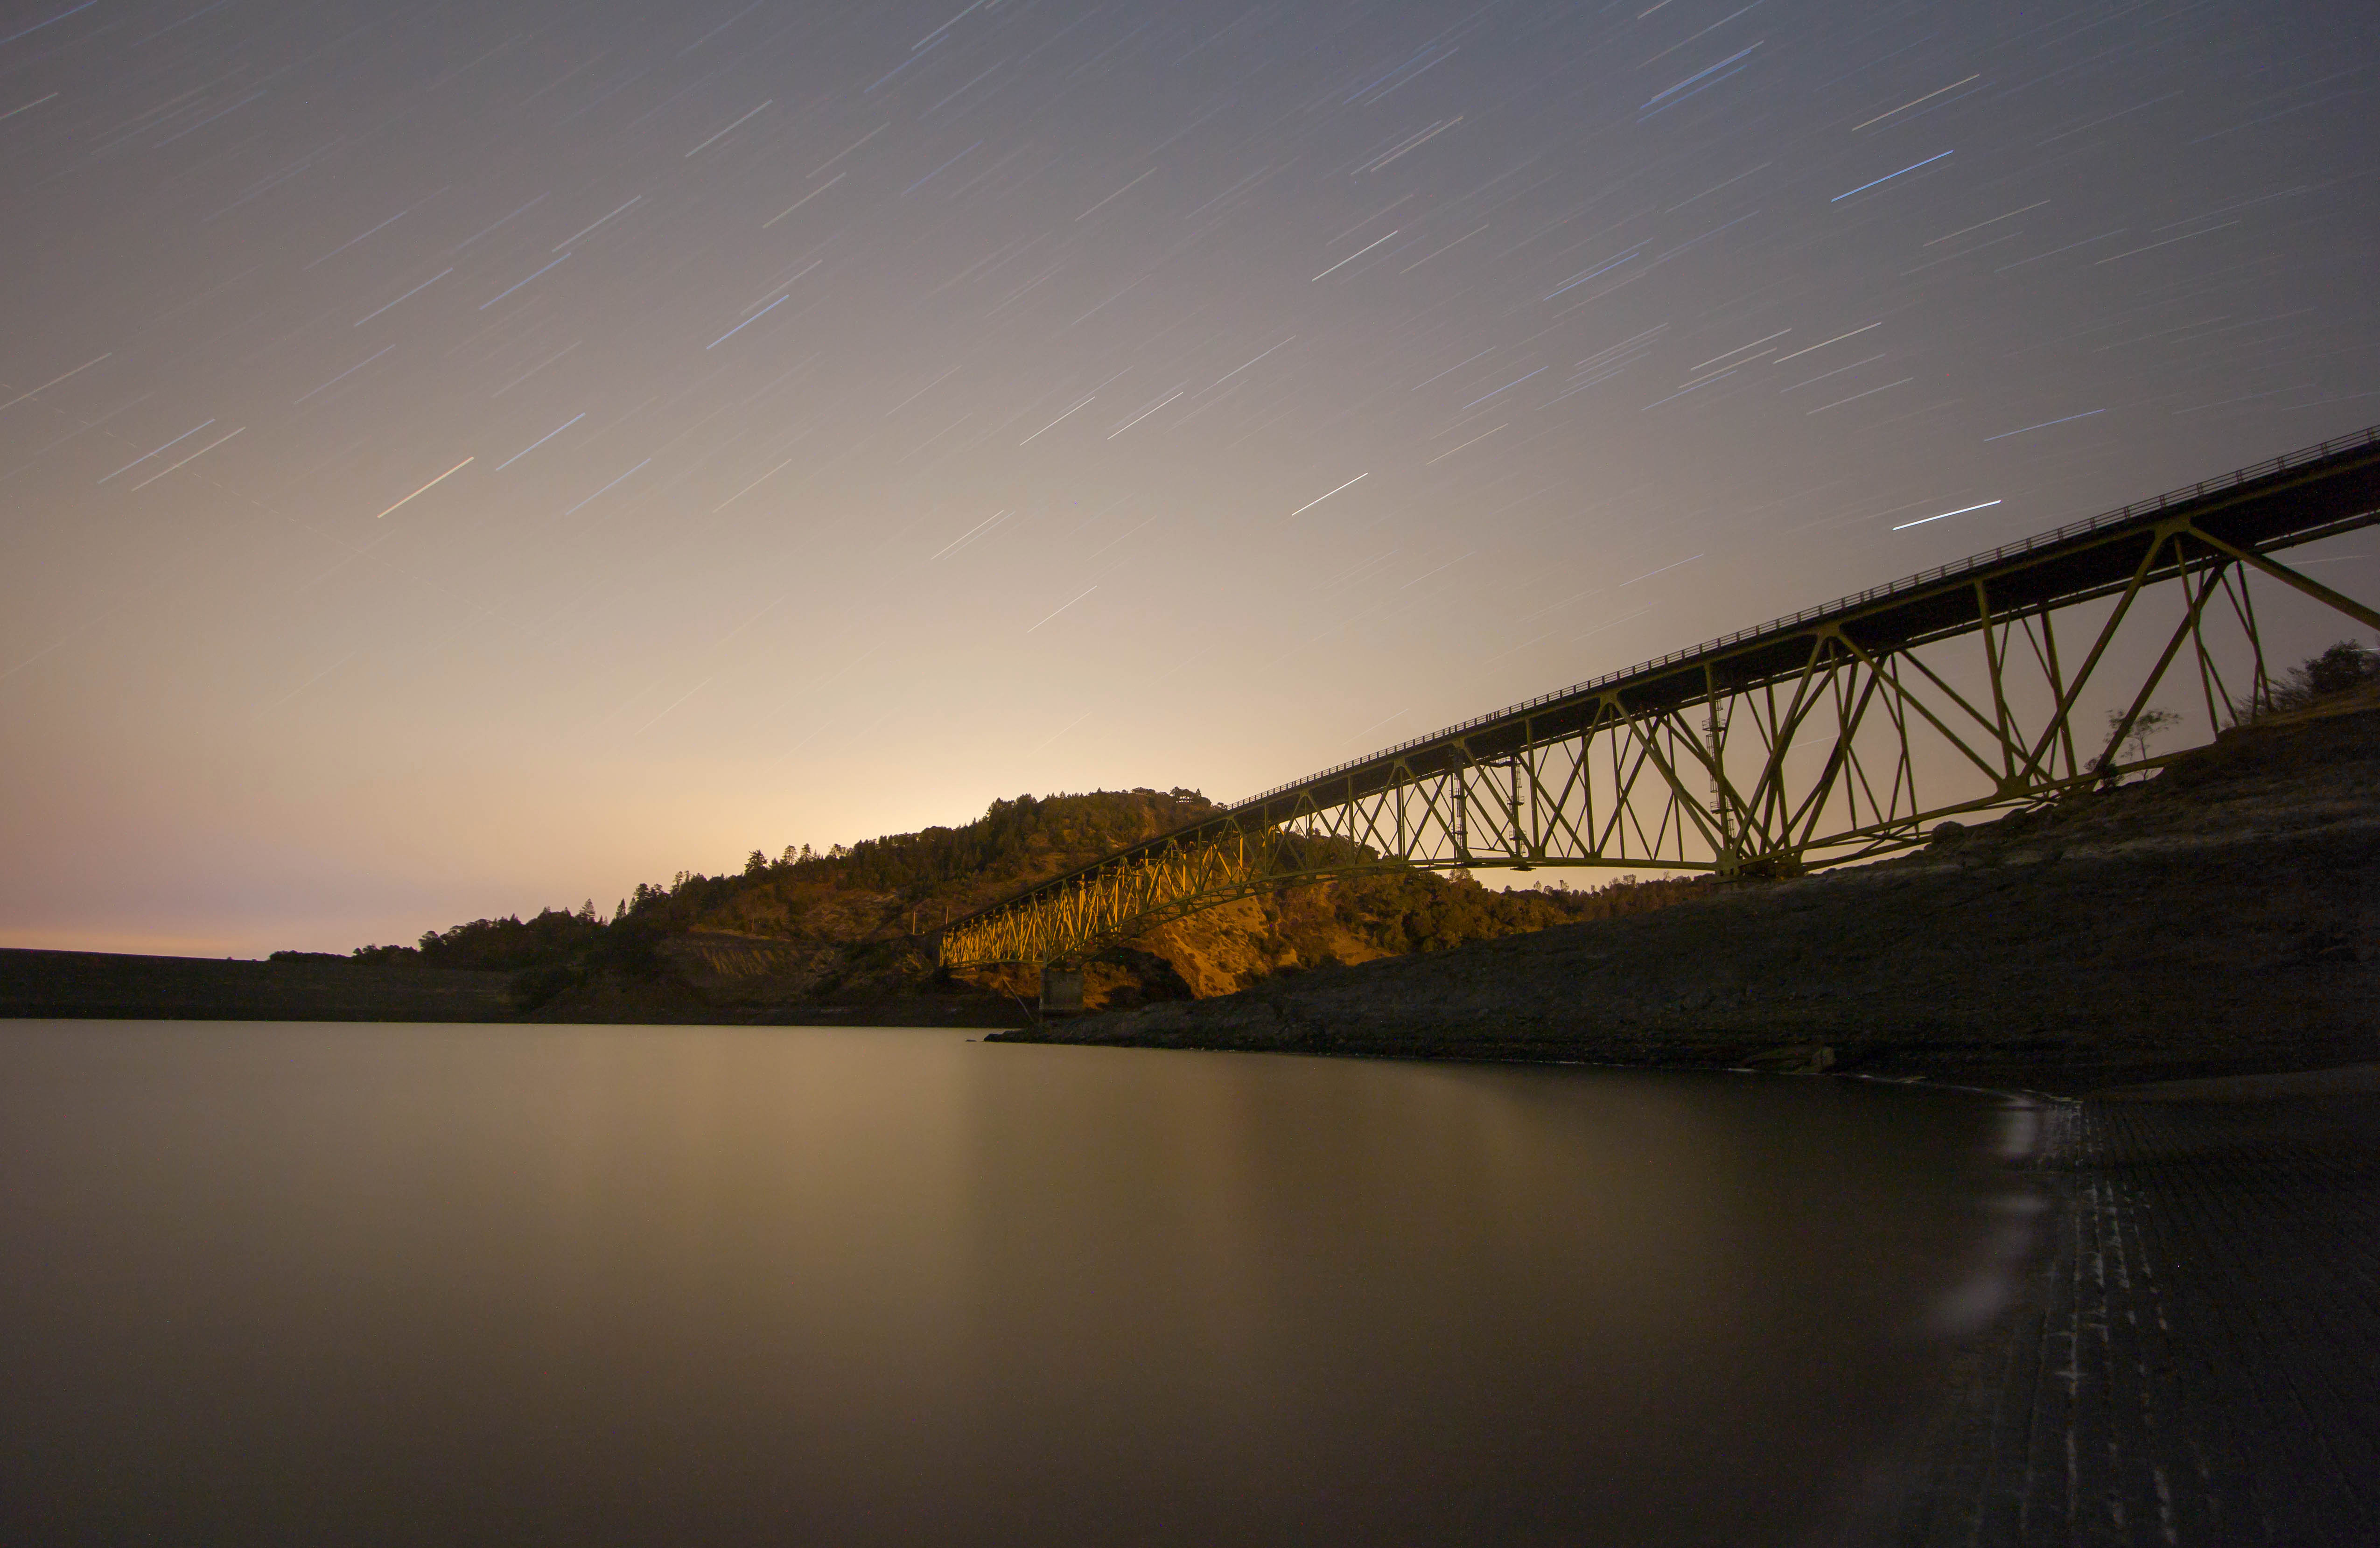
[(353, 1283)]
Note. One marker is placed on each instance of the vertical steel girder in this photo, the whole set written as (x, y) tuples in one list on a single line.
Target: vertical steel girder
[(1765, 778)]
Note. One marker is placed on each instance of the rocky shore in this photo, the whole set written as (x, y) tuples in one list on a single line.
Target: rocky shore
[(2221, 917), (2192, 1354)]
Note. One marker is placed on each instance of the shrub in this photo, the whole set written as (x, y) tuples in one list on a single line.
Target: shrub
[(2347, 664)]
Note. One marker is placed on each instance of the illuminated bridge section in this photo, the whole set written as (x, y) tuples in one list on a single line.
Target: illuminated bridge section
[(1794, 745)]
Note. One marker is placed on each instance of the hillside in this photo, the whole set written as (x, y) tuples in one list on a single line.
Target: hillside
[(840, 935)]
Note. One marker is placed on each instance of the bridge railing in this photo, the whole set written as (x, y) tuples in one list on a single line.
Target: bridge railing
[(2138, 508)]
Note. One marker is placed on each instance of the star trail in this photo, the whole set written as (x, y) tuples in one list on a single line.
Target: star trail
[(459, 458)]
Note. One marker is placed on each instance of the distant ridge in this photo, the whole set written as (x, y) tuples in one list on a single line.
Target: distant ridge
[(120, 986)]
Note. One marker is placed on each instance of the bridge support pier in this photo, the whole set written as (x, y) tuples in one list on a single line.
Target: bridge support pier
[(1062, 989)]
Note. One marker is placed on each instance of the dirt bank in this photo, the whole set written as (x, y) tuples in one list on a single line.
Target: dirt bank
[(2220, 919)]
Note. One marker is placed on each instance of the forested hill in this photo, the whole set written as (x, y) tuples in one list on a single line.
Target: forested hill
[(841, 927), (877, 888)]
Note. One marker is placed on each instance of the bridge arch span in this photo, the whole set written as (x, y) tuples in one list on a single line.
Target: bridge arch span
[(1798, 744)]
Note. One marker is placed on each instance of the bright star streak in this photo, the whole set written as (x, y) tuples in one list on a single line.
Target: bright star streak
[(1505, 388), (188, 461), (730, 129), (1144, 414), (1837, 339), (801, 201), (2043, 425), (1349, 485), (1053, 423), (1078, 596), (407, 296), (747, 321), (1350, 259), (53, 21), (1960, 511), (54, 382), (541, 440), (1886, 178), (146, 456), (608, 488), (431, 484), (517, 284)]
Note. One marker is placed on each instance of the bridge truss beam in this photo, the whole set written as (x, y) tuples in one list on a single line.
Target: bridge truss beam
[(1801, 744)]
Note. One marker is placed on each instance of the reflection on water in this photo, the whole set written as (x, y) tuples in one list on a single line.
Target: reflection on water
[(302, 1283)]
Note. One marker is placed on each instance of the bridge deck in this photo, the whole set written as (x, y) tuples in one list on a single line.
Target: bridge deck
[(2279, 503)]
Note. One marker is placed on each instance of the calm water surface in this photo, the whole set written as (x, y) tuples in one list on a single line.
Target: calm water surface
[(291, 1283)]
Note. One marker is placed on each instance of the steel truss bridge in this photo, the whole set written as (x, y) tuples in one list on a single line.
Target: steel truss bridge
[(1794, 745)]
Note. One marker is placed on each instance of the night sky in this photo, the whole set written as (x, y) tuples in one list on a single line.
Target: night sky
[(458, 458)]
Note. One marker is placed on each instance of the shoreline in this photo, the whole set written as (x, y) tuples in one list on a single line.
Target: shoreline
[(41, 983)]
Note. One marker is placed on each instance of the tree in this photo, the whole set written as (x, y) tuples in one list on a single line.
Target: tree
[(2146, 727), (2344, 665), (754, 863)]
